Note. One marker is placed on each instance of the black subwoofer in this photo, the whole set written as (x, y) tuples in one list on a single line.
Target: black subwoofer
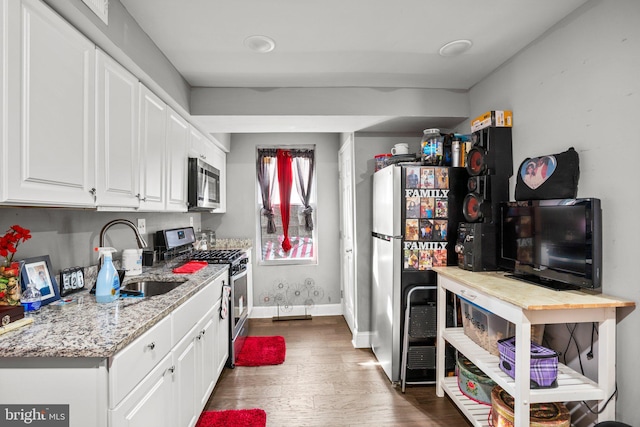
[(490, 164)]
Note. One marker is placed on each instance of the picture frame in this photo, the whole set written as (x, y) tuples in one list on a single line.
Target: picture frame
[(38, 270)]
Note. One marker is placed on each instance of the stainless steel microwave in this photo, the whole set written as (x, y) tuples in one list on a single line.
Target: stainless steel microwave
[(203, 185)]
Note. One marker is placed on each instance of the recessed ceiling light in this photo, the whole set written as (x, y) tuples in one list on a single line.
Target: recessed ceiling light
[(455, 47), (260, 44)]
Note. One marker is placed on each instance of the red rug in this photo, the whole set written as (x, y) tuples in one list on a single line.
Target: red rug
[(260, 351), (233, 418)]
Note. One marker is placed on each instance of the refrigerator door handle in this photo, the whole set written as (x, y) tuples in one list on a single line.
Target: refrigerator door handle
[(384, 236)]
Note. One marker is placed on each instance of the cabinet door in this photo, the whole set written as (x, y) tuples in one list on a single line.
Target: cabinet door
[(52, 160), (153, 120), (117, 137), (197, 141), (207, 341), (223, 339), (177, 144), (186, 380), (151, 402)]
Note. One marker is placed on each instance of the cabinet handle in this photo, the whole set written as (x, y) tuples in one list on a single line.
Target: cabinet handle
[(201, 334), (468, 296), (93, 193), (152, 345), (171, 369), (142, 199)]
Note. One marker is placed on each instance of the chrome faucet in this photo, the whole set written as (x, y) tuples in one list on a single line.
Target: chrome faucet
[(141, 242)]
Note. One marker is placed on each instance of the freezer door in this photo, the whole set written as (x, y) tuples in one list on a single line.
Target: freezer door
[(385, 307), (387, 200)]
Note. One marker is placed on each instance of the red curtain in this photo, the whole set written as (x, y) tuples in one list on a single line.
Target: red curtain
[(285, 179)]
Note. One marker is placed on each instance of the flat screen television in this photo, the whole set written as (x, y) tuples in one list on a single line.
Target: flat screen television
[(552, 243)]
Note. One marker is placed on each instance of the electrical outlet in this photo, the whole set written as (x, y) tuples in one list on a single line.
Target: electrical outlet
[(142, 225), (191, 221)]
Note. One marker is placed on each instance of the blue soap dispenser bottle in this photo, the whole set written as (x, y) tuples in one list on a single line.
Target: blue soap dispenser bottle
[(108, 282)]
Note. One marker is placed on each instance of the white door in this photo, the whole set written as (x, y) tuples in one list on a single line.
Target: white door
[(52, 156), (153, 131), (117, 140), (347, 215)]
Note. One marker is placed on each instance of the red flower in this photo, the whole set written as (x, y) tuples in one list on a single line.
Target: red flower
[(11, 240)]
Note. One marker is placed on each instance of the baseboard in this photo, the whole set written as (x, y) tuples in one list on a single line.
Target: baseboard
[(263, 312), (361, 339)]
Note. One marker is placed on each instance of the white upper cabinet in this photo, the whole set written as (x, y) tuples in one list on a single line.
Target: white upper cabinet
[(153, 130), (51, 132), (117, 153), (202, 147), (177, 146), (197, 144), (164, 139)]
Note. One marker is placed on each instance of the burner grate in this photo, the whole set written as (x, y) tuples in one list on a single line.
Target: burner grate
[(217, 255)]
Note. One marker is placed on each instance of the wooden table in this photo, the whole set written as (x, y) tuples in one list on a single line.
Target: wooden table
[(525, 304)]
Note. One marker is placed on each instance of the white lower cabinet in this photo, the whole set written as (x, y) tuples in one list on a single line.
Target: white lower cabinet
[(195, 367), (151, 401), (176, 389), (185, 379), (206, 361)]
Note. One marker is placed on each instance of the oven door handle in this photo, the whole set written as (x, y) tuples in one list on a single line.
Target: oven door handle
[(239, 275)]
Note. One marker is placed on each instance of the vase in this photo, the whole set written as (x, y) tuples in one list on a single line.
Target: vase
[(10, 282)]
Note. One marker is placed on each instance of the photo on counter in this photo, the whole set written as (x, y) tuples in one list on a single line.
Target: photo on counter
[(411, 229), (426, 229), (427, 178), (411, 261), (442, 207), (442, 178), (413, 177), (38, 271), (412, 207), (427, 207)]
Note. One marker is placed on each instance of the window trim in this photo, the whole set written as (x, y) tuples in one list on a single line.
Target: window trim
[(313, 203)]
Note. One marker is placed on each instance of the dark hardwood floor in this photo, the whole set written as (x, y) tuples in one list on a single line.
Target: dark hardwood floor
[(324, 381)]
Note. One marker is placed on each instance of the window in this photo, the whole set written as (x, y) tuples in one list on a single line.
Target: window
[(286, 185)]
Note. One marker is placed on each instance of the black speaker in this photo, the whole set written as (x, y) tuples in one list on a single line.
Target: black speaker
[(476, 246), (490, 164)]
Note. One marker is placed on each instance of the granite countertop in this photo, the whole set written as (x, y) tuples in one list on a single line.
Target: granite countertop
[(89, 329), (233, 244)]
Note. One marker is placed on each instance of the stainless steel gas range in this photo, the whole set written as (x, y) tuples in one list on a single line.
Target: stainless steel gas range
[(237, 261)]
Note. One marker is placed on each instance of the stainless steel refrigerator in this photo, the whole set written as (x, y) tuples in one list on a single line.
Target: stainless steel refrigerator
[(416, 211)]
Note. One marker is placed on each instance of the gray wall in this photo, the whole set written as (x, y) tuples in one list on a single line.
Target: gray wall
[(240, 219), (366, 147), (579, 85), (69, 236)]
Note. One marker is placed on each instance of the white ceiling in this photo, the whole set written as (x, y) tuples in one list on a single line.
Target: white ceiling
[(340, 43)]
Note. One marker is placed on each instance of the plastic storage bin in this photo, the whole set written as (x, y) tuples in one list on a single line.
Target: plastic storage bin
[(485, 328)]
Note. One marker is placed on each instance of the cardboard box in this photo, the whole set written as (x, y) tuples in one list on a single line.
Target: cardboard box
[(497, 118)]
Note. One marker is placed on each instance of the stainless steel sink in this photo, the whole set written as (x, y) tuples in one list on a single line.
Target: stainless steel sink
[(149, 288)]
